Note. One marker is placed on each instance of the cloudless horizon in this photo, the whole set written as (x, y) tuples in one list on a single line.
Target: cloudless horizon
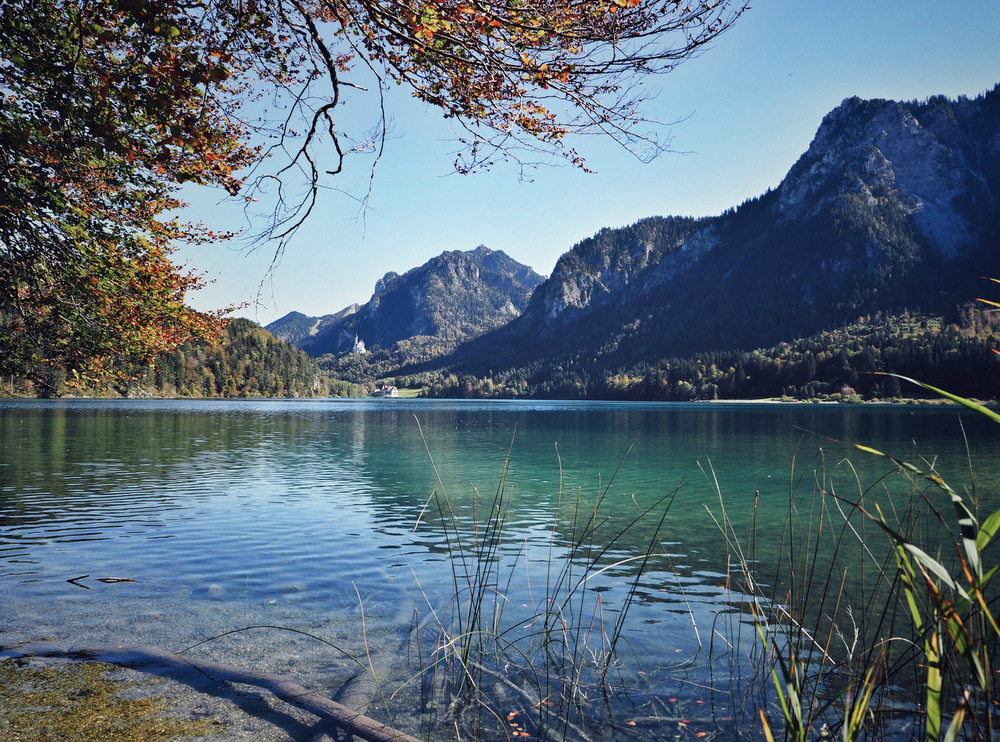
[(744, 110)]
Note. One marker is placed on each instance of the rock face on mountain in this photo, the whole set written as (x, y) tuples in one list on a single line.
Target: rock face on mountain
[(602, 270), (930, 157), (616, 267), (893, 206), (455, 295)]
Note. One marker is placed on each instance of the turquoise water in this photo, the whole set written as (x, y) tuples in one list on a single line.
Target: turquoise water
[(320, 516)]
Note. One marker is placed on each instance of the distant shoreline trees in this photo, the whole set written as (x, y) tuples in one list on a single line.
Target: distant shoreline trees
[(852, 364), (849, 364), (246, 362)]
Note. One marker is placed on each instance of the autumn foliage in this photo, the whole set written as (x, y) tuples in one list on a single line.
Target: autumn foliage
[(105, 112), (109, 108)]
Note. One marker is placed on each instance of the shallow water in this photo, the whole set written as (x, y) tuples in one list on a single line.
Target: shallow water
[(320, 516)]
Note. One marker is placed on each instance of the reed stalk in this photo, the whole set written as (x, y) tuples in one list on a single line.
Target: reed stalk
[(894, 632), (537, 673)]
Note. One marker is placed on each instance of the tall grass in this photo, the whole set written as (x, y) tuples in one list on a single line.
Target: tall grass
[(872, 610), (879, 620), (488, 669)]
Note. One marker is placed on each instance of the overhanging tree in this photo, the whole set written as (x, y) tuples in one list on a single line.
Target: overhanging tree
[(108, 107)]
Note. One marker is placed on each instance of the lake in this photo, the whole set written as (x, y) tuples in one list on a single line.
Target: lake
[(367, 525)]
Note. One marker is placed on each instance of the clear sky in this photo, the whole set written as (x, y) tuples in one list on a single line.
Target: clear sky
[(747, 108)]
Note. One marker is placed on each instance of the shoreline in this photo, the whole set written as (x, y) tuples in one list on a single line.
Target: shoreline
[(898, 401)]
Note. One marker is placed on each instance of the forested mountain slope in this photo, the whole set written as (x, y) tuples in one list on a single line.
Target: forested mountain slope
[(247, 361)]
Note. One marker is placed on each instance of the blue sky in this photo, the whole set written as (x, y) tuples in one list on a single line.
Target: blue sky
[(747, 108)]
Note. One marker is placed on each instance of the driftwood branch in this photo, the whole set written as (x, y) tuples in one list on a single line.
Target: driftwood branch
[(281, 686)]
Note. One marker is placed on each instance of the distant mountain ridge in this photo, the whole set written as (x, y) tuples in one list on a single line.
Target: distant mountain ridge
[(893, 206), (296, 327), (456, 295)]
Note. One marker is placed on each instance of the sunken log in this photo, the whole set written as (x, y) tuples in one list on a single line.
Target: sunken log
[(281, 686)]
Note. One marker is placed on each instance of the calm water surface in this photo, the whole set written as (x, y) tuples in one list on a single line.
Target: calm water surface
[(312, 514)]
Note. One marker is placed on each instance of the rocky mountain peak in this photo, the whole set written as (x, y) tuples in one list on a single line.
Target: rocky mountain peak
[(915, 154), (455, 294), (386, 282), (613, 266)]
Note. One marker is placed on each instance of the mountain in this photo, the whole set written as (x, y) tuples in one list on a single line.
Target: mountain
[(894, 206), (297, 328), (456, 295)]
